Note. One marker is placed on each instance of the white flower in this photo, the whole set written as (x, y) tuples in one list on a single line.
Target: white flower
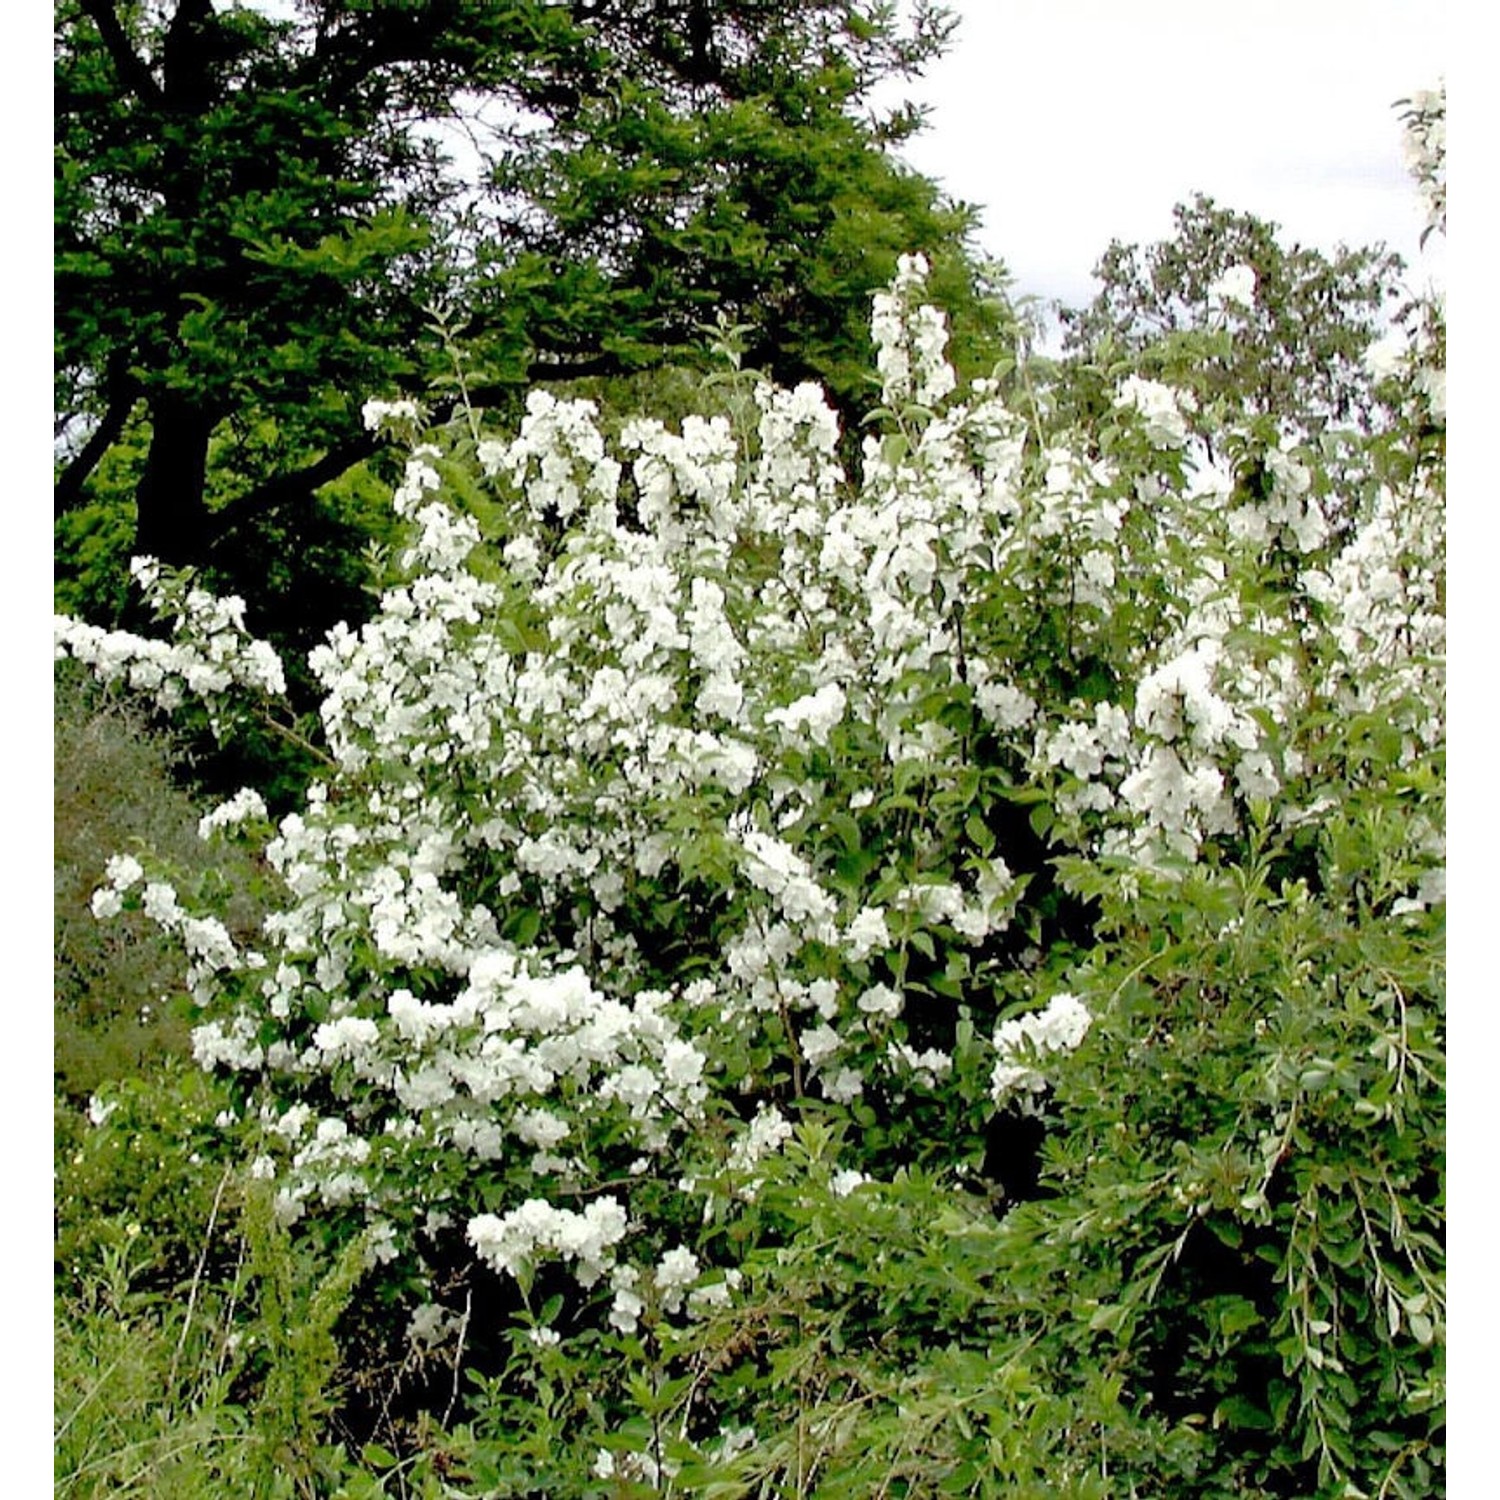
[(867, 933), (1433, 383), (1005, 706), (844, 1182), (682, 1063), (105, 903), (678, 1267), (819, 1043), (767, 1132), (160, 903), (122, 871), (1058, 1028), (1387, 356), (378, 414), (515, 1240), (1160, 407), (818, 713), (845, 1086), (675, 1272), (625, 1312), (704, 1299), (1237, 284), (541, 1128), (349, 1036), (880, 1000)]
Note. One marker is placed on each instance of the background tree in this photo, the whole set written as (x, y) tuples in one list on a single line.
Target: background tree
[(255, 214), (1298, 337)]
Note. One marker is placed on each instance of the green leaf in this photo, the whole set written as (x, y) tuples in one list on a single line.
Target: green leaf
[(1109, 1318), (1042, 819), (523, 926), (1234, 1315), (1241, 1414)]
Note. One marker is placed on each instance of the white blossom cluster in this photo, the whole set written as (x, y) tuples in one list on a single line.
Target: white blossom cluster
[(1425, 146), (1163, 410), (585, 1239), (669, 1283), (911, 339), (1234, 287), (212, 651), (401, 415), (210, 950), (559, 459), (1025, 1040), (246, 804), (1383, 593)]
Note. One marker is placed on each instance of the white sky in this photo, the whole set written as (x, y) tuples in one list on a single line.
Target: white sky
[(1074, 122)]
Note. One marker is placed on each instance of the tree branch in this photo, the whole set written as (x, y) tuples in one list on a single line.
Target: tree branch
[(134, 75), (372, 41), (498, 392), (286, 489), (68, 493)]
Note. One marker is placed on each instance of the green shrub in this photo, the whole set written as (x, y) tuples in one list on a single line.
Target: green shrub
[(117, 787)]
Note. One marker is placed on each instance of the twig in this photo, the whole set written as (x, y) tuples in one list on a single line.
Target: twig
[(458, 1355), (187, 1321)]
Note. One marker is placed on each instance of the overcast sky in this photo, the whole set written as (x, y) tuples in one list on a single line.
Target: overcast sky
[(1074, 122)]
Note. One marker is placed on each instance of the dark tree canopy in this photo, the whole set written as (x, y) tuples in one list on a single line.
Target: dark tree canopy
[(255, 215)]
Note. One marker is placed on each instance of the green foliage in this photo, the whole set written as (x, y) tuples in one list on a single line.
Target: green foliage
[(146, 1294), (797, 217), (1244, 1222), (94, 540), (140, 1410), (298, 1304), (115, 789), (194, 1347), (1231, 1284)]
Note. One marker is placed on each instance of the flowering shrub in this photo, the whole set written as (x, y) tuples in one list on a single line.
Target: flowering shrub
[(718, 854)]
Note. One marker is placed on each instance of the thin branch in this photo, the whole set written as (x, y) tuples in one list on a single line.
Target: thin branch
[(458, 1354), (300, 741), (500, 392)]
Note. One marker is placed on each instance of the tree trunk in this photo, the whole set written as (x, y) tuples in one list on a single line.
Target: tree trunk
[(171, 506)]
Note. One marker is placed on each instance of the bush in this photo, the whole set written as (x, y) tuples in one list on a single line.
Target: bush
[(932, 984)]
